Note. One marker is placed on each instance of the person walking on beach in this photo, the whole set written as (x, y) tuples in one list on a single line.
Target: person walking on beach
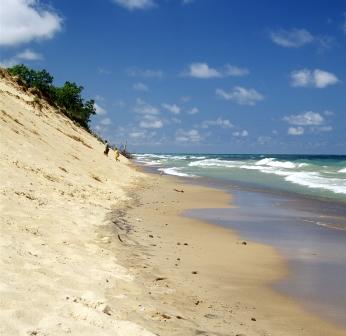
[(106, 149), (116, 154)]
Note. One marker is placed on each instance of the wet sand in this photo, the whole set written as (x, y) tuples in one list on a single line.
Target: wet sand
[(315, 253), (195, 278)]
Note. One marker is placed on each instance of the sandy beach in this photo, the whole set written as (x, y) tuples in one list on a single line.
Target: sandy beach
[(89, 246)]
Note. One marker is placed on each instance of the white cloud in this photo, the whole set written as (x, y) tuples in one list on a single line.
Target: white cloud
[(204, 71), (219, 122), (140, 87), (175, 109), (187, 2), (22, 21), (316, 78), (295, 130), (103, 71), (262, 140), (188, 136), (176, 120), (324, 129), (29, 55), (25, 55), (235, 71), (241, 95), (146, 73), (135, 4), (193, 110), (293, 38), (99, 110), (185, 99), (105, 122), (99, 98), (143, 107), (9, 62), (243, 133), (150, 121), (305, 119)]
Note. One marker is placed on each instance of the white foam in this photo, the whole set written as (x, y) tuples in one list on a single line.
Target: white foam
[(315, 180), (175, 171), (343, 170), (215, 163), (273, 163)]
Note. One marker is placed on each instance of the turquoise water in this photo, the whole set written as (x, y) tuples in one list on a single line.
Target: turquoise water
[(321, 176)]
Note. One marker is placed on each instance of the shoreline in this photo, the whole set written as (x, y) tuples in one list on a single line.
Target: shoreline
[(230, 289)]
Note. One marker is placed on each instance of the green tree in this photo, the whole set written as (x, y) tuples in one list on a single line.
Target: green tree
[(68, 97)]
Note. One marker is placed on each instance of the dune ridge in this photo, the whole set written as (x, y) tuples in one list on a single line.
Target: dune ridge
[(56, 187)]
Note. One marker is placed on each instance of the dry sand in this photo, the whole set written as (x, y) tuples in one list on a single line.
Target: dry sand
[(93, 247)]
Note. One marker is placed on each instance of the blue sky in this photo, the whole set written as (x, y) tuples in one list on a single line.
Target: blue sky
[(194, 75)]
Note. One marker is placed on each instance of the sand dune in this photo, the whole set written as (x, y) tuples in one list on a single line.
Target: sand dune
[(56, 187)]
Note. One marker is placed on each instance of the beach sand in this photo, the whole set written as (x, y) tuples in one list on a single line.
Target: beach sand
[(93, 247)]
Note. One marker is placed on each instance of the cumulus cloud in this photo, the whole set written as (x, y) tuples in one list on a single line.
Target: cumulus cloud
[(22, 21), (187, 2), (135, 4), (295, 130), (9, 62), (143, 107), (263, 139), (146, 73), (241, 96), (293, 38), (316, 78), (193, 110), (103, 71), (219, 122), (305, 119), (191, 135), (175, 109), (231, 70), (29, 55), (243, 133), (140, 87), (150, 121), (314, 122), (99, 110), (25, 55), (105, 121), (296, 38), (204, 71)]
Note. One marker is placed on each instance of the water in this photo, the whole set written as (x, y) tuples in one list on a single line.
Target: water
[(315, 253), (296, 203), (322, 176)]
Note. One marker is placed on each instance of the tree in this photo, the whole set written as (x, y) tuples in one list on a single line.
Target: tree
[(68, 97), (40, 80)]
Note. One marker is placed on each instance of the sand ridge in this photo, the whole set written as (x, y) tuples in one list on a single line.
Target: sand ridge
[(56, 188)]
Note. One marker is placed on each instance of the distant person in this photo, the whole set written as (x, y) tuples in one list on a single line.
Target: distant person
[(116, 154), (106, 149)]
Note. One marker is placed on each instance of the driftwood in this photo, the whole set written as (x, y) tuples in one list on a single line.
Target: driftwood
[(177, 190), (120, 238)]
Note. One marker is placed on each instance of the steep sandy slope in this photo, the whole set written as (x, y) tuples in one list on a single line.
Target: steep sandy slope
[(56, 188)]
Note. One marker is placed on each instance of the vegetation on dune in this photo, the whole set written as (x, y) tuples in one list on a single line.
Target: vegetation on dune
[(68, 97)]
